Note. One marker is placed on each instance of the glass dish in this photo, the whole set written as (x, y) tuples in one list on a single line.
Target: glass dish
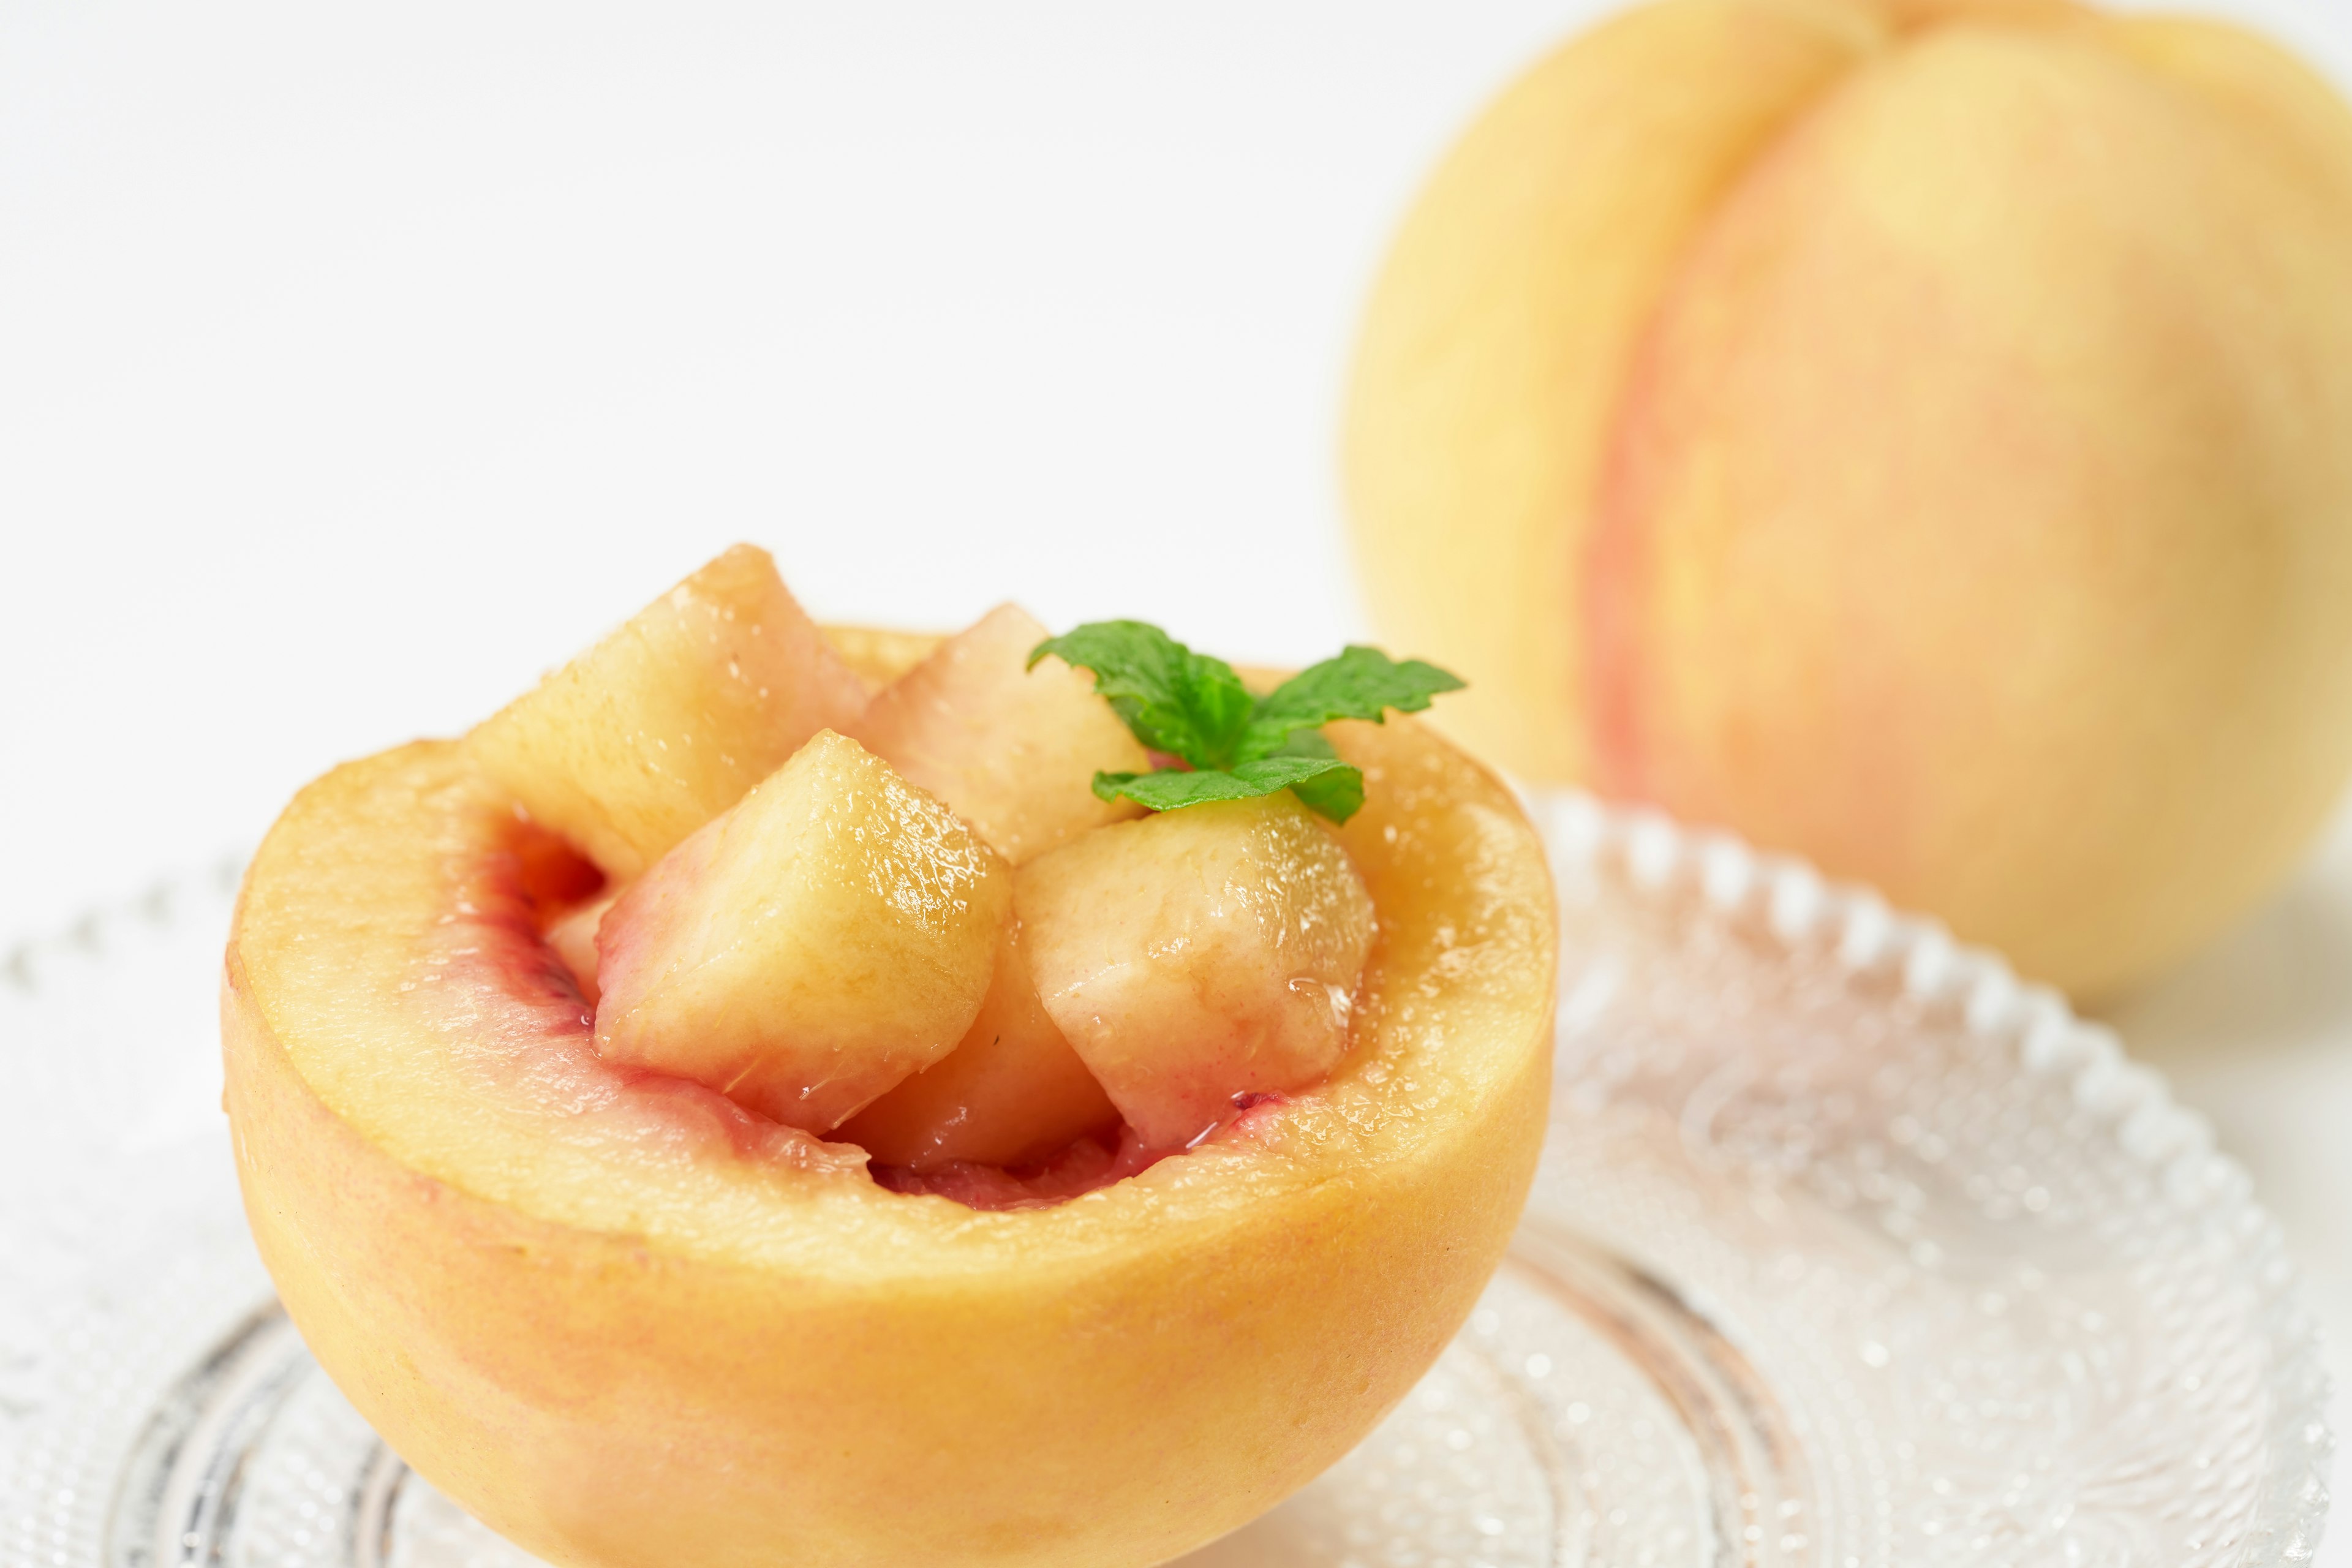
[(1847, 1250)]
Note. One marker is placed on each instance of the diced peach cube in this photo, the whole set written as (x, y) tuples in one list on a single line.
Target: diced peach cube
[(1012, 750), (830, 935), (877, 654), (665, 723), (572, 937), (1010, 1093), (1198, 955)]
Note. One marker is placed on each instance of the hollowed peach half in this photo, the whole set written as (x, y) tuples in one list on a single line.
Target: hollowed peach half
[(631, 1325)]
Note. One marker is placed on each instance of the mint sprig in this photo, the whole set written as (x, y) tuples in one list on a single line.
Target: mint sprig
[(1235, 745)]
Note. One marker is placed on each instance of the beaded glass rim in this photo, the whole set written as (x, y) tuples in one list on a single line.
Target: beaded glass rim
[(1873, 944), (1872, 940)]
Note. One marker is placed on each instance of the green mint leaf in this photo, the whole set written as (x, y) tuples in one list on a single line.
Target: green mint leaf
[(1325, 784), (1361, 683), (1175, 701), (1337, 795), (1237, 746), (1305, 743)]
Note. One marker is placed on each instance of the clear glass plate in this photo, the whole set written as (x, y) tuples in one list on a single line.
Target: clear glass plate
[(1847, 1250)]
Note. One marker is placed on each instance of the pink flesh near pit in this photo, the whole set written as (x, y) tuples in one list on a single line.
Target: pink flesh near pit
[(521, 1014)]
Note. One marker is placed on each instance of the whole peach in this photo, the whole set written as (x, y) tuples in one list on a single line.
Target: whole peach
[(1918, 435)]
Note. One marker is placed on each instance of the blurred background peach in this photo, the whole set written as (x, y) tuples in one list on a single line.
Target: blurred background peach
[(1912, 433)]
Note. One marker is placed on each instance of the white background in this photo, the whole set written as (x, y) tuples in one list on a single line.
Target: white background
[(357, 364)]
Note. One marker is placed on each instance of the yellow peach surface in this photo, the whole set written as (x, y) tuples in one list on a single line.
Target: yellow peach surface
[(629, 1325), (1918, 435)]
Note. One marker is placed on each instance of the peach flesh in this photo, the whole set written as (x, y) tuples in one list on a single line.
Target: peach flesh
[(1010, 747), (1012, 1092), (667, 721), (1011, 1119), (1193, 956), (572, 937), (805, 950)]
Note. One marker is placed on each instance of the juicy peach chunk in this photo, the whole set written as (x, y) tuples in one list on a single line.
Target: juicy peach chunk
[(1010, 1093), (572, 937), (1013, 750), (877, 654), (828, 936), (665, 723), (1199, 955)]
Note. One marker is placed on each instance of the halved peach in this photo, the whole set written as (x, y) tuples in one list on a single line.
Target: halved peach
[(631, 1325)]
